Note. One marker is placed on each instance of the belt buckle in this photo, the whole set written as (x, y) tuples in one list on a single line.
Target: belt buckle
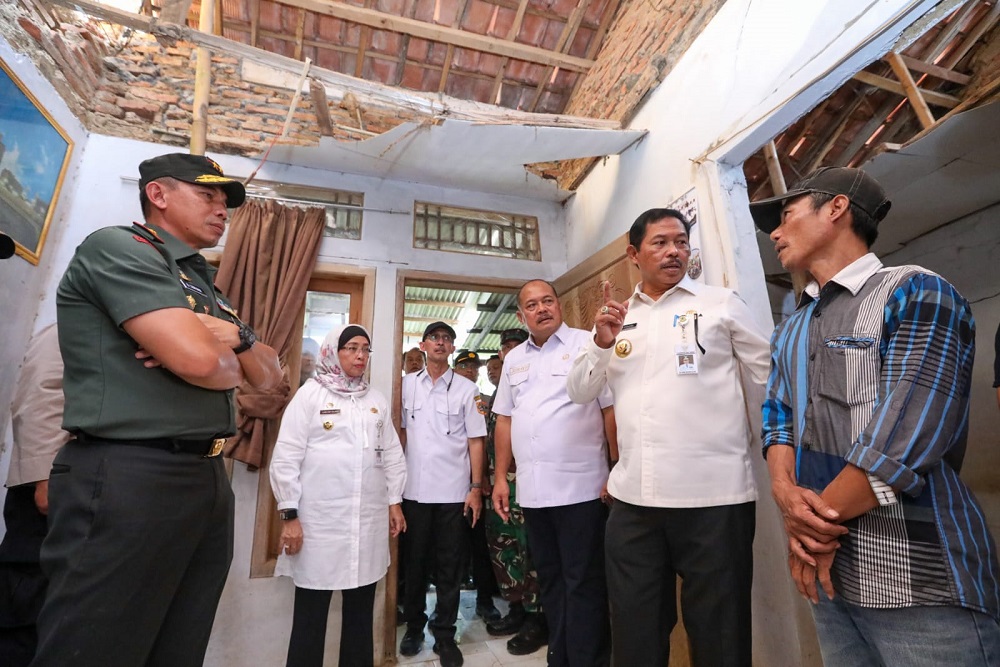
[(217, 446)]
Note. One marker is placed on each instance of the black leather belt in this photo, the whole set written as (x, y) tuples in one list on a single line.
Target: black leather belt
[(207, 447)]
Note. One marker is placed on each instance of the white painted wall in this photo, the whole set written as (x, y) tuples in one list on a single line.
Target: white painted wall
[(22, 283), (758, 66)]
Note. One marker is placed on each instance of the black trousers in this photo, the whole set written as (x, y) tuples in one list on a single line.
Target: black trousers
[(711, 550), (308, 640), (482, 566), (139, 546), (438, 533), (22, 584), (567, 548)]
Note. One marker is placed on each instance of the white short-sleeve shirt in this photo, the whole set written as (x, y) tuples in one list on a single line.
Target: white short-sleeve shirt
[(439, 418), (559, 445)]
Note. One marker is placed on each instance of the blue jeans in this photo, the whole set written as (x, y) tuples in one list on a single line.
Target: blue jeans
[(853, 636)]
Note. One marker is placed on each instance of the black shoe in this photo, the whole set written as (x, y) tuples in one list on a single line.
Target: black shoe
[(533, 635), (487, 611), (448, 651), (400, 618), (412, 641), (510, 623)]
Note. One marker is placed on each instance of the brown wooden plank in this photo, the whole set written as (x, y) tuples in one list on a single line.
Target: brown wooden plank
[(254, 21), (317, 92), (565, 41), (515, 28), (445, 35), (932, 97), (913, 94), (300, 33), (944, 73), (450, 54)]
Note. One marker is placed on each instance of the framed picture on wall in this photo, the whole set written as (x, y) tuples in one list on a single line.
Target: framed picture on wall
[(34, 156)]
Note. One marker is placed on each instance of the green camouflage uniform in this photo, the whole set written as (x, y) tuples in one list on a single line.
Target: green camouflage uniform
[(508, 542)]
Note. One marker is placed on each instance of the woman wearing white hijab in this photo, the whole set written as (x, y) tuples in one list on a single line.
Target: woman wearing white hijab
[(338, 474)]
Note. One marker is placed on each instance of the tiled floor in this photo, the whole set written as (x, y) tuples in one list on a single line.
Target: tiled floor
[(478, 647)]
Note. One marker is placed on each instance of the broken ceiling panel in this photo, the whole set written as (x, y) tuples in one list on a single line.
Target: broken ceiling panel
[(462, 154)]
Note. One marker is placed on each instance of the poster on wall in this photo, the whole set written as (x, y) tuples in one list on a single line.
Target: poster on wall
[(687, 204), (34, 156)]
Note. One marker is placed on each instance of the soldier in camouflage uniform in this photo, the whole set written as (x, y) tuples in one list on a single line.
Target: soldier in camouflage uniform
[(508, 544)]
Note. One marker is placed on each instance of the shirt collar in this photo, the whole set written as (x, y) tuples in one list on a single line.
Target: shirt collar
[(852, 277), (686, 284), (177, 248), (559, 334)]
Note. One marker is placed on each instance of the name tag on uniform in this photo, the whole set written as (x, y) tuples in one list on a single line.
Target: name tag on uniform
[(630, 325), (686, 359), (334, 411), (523, 368)]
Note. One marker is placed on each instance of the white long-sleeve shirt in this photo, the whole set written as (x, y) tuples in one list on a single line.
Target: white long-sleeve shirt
[(683, 439), (559, 446), (342, 480)]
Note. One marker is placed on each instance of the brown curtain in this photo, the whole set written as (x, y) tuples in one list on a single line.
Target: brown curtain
[(265, 270)]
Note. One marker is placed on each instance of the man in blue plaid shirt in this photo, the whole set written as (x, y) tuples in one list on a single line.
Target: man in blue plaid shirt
[(864, 430)]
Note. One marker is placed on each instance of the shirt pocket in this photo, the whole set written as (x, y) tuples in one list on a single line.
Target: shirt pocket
[(848, 368), (449, 409)]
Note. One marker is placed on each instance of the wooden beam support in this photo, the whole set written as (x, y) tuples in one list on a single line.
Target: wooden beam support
[(300, 33), (948, 32), (846, 158), (443, 34), (932, 97), (363, 41), (920, 107), (943, 73), (831, 139), (217, 26), (596, 41), (449, 56), (565, 41), (515, 28), (428, 105), (317, 92), (980, 29), (774, 168), (202, 82), (254, 21)]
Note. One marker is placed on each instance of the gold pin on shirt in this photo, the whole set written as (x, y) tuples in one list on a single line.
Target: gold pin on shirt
[(623, 348), (327, 425), (191, 302)]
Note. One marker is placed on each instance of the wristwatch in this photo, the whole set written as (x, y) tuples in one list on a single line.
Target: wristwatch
[(247, 338), (288, 515)]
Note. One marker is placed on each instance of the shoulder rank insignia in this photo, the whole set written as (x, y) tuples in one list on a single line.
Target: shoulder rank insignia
[(142, 240), (184, 276), (152, 232), (191, 302)]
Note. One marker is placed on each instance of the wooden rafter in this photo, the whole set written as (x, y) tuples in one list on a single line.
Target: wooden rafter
[(217, 24), (449, 56), (404, 45), (777, 177), (913, 94), (515, 28), (443, 34), (931, 96), (943, 73), (363, 40), (300, 34), (564, 44), (595, 43), (858, 142), (948, 32), (980, 29), (254, 21), (818, 155), (374, 94), (541, 10)]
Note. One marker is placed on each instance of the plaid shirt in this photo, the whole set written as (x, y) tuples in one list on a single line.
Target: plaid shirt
[(874, 370)]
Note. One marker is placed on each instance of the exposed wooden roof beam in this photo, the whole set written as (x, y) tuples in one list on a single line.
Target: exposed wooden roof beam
[(932, 97), (449, 56), (774, 168), (254, 21), (363, 40), (443, 34), (918, 65), (823, 149), (515, 28), (541, 11), (920, 107), (565, 42), (300, 34), (970, 40), (878, 118), (948, 32), (367, 92), (597, 40)]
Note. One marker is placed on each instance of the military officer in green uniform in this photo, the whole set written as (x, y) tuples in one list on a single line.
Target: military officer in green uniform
[(508, 544), (140, 508)]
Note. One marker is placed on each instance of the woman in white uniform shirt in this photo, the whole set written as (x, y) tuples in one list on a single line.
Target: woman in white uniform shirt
[(338, 474)]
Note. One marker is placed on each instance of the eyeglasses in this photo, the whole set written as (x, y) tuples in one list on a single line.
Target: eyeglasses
[(355, 350), (440, 338)]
